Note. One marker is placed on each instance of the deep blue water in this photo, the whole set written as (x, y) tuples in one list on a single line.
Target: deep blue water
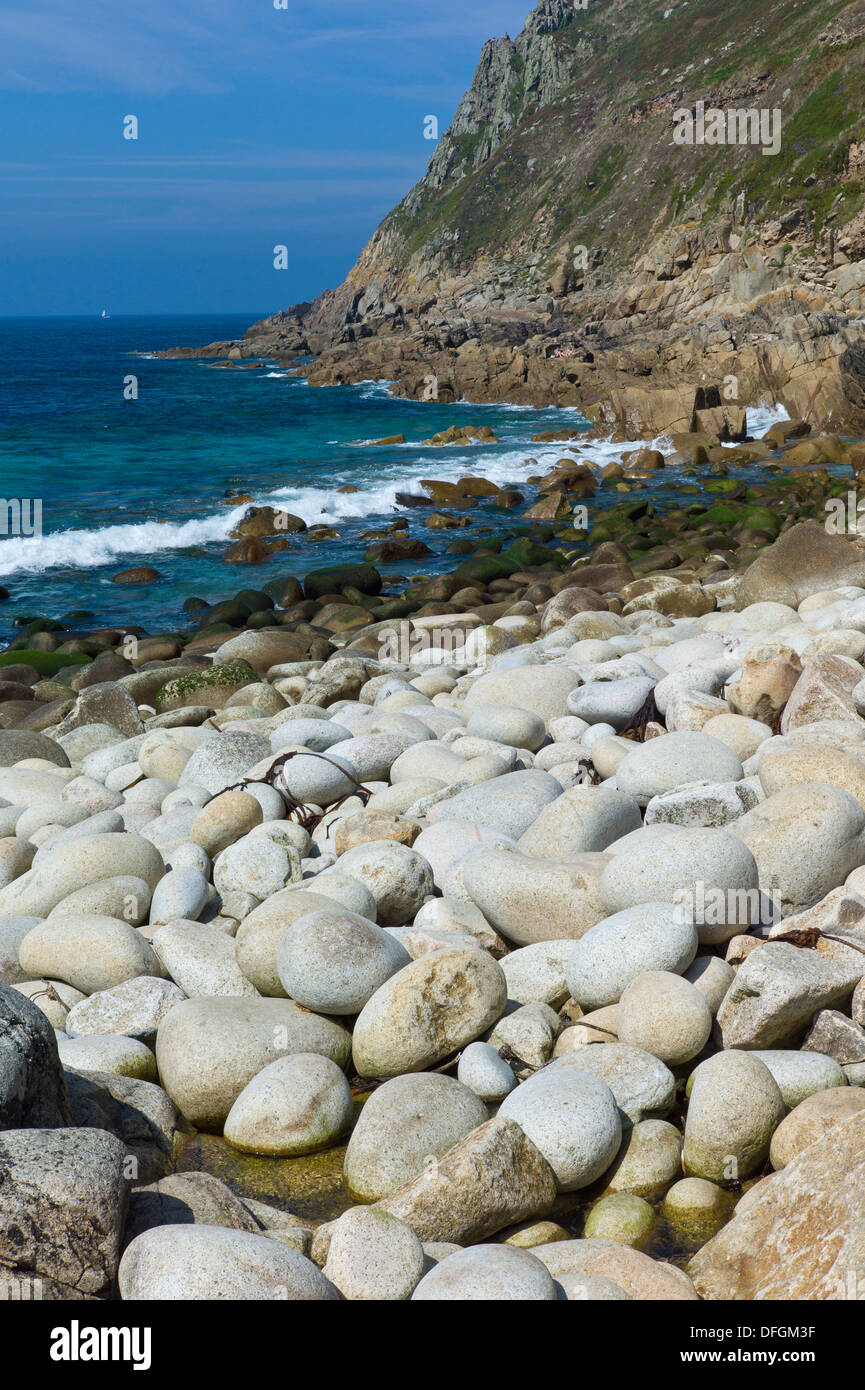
[(124, 483)]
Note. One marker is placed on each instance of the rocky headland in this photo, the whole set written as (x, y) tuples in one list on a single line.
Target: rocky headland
[(563, 249)]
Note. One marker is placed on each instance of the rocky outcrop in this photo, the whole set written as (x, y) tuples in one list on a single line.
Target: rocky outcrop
[(802, 1236), (32, 1083), (563, 248)]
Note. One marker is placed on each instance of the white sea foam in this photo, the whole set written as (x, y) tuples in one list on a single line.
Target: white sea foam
[(83, 549), (89, 549)]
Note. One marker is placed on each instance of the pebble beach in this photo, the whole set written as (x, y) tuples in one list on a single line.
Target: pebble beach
[(526, 905)]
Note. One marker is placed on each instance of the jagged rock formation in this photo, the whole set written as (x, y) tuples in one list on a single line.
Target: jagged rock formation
[(564, 248)]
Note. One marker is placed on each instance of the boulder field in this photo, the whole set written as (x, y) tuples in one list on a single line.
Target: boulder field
[(555, 941)]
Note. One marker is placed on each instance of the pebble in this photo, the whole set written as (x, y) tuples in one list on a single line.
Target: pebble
[(260, 933), (710, 874), (622, 1217), (399, 879), (180, 893), (665, 1015), (531, 900), (712, 977), (255, 865), (543, 690), (805, 840), (120, 1056), (641, 1277), (405, 1126), (135, 1009), (536, 973), (572, 1118), (508, 804), (223, 760), (295, 1105), (205, 1263), (734, 1108), (443, 844), (642, 1084), (801, 1074), (663, 764), (697, 1207), (333, 961), (653, 936), (582, 819), (429, 1009), (487, 1273), (508, 724), (89, 951), (649, 1160), (75, 864), (614, 702), (228, 817), (201, 958), (483, 1071), (209, 1049), (374, 1256)]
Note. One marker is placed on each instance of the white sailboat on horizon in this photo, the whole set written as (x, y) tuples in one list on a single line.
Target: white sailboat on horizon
[(105, 314)]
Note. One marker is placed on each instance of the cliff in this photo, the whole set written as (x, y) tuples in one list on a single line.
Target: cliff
[(567, 245)]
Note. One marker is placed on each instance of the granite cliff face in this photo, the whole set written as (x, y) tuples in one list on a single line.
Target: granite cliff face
[(563, 247)]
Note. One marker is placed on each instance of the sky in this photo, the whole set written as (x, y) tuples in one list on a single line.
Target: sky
[(258, 127)]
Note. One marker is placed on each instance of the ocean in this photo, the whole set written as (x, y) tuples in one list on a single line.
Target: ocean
[(130, 482)]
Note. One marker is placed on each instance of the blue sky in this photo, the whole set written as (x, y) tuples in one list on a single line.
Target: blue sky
[(257, 127)]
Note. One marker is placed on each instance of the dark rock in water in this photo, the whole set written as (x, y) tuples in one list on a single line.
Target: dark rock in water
[(266, 521), (412, 499), (264, 618), (15, 746), (143, 575), (527, 555), (482, 569), (247, 552), (193, 605), (37, 624), (138, 1112), (4, 593), (254, 599), (228, 611), (284, 592), (32, 1084), (399, 548), (64, 1205), (335, 578)]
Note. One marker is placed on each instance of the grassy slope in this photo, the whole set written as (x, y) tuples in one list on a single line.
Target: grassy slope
[(606, 173)]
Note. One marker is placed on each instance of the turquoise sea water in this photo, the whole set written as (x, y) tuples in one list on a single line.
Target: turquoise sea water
[(124, 483)]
